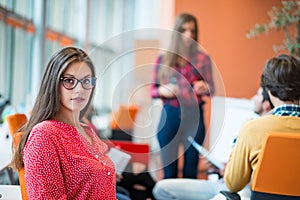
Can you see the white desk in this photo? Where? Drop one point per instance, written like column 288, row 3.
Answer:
column 10, row 192
column 7, row 192
column 5, row 146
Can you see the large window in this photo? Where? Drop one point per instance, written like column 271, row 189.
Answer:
column 15, row 53
column 94, row 25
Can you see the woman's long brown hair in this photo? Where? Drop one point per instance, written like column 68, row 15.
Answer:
column 47, row 101
column 175, row 49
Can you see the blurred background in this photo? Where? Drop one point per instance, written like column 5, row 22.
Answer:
column 123, row 38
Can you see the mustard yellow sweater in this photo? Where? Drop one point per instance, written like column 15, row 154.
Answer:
column 244, row 156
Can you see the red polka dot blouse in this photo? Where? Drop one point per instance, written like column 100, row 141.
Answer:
column 61, row 164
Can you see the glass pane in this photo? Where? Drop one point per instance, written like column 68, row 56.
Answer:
column 5, row 3
column 75, row 22
column 56, row 14
column 50, row 48
column 2, row 57
column 19, row 69
column 20, row 7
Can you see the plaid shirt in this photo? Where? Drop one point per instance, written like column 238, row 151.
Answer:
column 287, row 110
column 198, row 67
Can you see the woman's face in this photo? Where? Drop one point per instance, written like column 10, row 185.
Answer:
column 75, row 99
column 188, row 33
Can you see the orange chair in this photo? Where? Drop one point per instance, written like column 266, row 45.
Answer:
column 21, row 173
column 15, row 121
column 122, row 122
column 124, row 117
column 277, row 174
column 139, row 152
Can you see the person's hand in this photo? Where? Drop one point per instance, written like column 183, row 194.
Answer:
column 168, row 90
column 200, row 87
column 119, row 177
column 222, row 171
column 212, row 168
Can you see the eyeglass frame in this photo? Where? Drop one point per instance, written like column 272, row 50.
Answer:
column 93, row 82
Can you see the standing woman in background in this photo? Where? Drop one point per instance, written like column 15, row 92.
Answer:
column 64, row 158
column 182, row 75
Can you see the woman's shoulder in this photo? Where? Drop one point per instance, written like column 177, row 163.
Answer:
column 41, row 129
column 42, row 134
column 50, row 127
column 44, row 125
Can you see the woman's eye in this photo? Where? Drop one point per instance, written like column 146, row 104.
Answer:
column 87, row 81
column 181, row 30
column 69, row 80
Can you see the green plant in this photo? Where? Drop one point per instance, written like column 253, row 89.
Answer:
column 286, row 18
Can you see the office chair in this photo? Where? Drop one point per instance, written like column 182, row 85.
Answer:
column 21, row 173
column 277, row 174
column 139, row 152
column 122, row 122
column 14, row 122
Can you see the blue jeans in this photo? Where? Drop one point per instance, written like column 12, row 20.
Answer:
column 122, row 193
column 175, row 125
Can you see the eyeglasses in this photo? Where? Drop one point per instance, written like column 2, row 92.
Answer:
column 71, row 82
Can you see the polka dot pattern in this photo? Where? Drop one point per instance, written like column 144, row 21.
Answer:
column 61, row 164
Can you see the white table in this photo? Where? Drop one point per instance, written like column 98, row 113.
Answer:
column 10, row 192
column 7, row 192
column 5, row 146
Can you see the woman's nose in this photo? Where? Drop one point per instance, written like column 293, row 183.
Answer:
column 188, row 34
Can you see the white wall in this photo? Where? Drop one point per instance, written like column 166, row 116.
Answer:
column 228, row 116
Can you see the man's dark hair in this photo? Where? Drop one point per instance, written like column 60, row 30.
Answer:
column 281, row 76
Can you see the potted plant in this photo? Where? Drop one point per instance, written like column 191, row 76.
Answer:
column 286, row 18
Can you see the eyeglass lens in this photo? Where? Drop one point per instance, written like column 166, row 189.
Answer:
column 71, row 82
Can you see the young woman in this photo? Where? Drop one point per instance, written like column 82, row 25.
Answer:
column 181, row 77
column 64, row 158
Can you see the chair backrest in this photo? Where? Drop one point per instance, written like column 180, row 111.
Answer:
column 124, row 117
column 21, row 173
column 139, row 152
column 277, row 172
column 15, row 121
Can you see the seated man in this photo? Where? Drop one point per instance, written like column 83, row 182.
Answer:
column 204, row 189
column 281, row 79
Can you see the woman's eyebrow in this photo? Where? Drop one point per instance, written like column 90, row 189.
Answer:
column 71, row 75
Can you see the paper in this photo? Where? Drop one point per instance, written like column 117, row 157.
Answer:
column 205, row 153
column 119, row 158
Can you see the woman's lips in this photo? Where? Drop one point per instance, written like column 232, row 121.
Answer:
column 78, row 99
